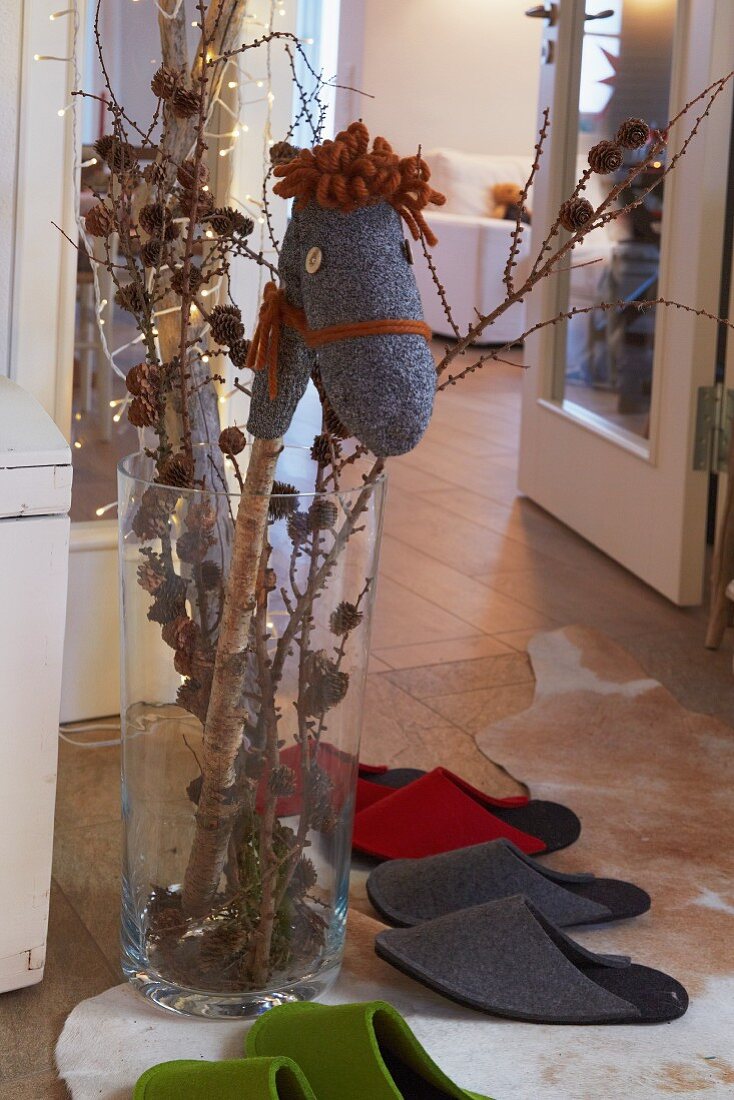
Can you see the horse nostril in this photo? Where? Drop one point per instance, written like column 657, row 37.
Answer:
column 314, row 257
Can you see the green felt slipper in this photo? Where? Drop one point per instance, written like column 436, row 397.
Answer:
column 238, row 1079
column 360, row 1051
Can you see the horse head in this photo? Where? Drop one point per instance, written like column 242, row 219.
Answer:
column 348, row 295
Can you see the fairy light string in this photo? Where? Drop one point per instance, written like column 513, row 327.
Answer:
column 252, row 89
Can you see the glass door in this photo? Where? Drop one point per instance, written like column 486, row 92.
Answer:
column 609, row 401
column 605, row 363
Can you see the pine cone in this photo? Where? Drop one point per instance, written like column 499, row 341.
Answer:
column 204, row 204
column 228, row 222
column 605, row 157
column 238, row 352
column 134, row 378
column 575, row 214
column 131, row 297
column 186, row 285
column 322, row 513
column 182, row 663
column 140, row 414
column 187, row 174
column 193, row 696
column 155, row 174
column 184, row 103
column 232, row 441
column 181, row 633
column 119, row 155
column 282, row 780
column 283, row 500
column 220, row 946
column 154, row 218
column 100, row 220
column 327, row 683
column 152, row 253
column 151, row 519
column 145, row 382
column 282, row 152
column 151, row 571
column 333, row 424
column 633, row 133
column 201, row 516
column 304, row 877
column 170, row 630
column 321, row 798
column 221, row 220
column 170, row 601
column 323, row 448
column 242, row 225
column 299, row 526
column 345, row 617
column 164, row 82
column 164, row 913
column 192, row 546
column 211, row 574
column 226, row 325
column 144, row 379
column 177, row 470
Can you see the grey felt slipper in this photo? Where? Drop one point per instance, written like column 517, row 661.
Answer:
column 394, row 777
column 409, row 891
column 507, row 959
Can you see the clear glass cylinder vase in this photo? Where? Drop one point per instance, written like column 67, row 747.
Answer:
column 275, row 849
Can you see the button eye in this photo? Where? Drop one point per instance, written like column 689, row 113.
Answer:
column 313, row 260
column 407, row 250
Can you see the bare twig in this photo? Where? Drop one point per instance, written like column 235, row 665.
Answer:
column 518, row 227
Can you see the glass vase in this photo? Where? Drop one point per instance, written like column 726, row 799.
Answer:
column 272, row 926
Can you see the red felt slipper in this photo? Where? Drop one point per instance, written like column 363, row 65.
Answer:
column 377, row 781
column 366, row 770
column 441, row 812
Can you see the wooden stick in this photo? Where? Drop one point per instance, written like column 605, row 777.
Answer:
column 217, row 808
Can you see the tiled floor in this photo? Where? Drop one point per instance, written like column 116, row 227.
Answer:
column 469, row 573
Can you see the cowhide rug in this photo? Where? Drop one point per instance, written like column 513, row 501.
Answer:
column 652, row 783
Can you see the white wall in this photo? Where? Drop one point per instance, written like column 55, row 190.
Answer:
column 458, row 73
column 10, row 21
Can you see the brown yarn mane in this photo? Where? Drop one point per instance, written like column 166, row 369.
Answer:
column 345, row 174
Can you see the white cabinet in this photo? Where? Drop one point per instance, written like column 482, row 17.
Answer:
column 35, row 493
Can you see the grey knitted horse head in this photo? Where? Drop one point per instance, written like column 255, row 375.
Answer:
column 348, row 296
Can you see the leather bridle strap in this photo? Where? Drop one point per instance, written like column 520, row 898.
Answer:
column 276, row 310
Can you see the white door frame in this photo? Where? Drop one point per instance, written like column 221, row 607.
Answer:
column 564, row 449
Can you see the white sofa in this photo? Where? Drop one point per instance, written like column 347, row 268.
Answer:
column 472, row 248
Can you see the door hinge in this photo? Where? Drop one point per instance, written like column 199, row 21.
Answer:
column 714, row 415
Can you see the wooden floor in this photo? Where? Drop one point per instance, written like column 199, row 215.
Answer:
column 469, row 573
